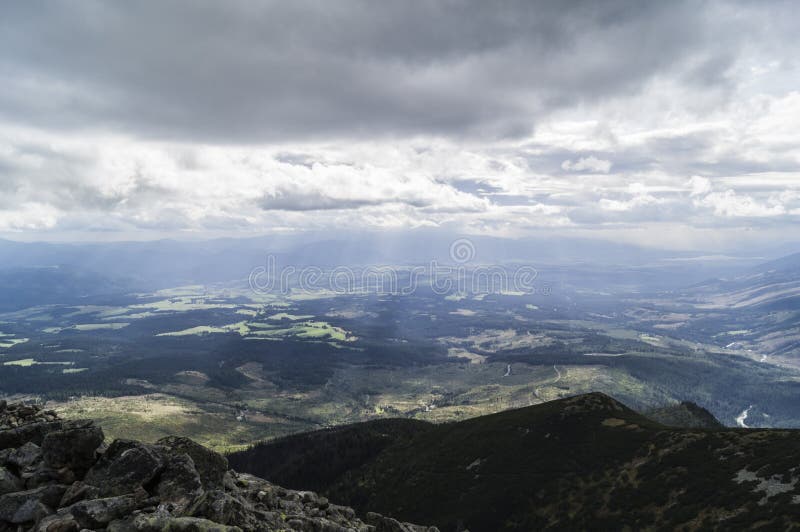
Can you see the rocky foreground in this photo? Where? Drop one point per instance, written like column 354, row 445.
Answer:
column 59, row 476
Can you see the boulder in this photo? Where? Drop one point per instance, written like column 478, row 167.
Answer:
column 31, row 511
column 97, row 513
column 223, row 508
column 33, row 432
column 125, row 466
column 210, row 465
column 73, row 446
column 30, row 505
column 24, row 456
column 40, row 475
column 179, row 484
column 9, row 482
column 58, row 523
column 78, row 491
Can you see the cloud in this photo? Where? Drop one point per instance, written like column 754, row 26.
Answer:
column 699, row 185
column 296, row 200
column 29, row 216
column 731, row 204
column 123, row 183
column 277, row 71
column 576, row 116
column 591, row 164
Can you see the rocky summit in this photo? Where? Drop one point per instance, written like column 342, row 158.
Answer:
column 59, row 476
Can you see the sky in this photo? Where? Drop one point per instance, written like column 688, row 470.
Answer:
column 666, row 124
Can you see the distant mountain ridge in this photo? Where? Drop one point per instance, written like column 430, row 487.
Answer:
column 756, row 311
column 584, row 462
column 28, row 287
column 773, row 284
column 165, row 263
column 788, row 263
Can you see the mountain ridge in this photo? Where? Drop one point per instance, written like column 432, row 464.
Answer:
column 685, row 414
column 582, row 462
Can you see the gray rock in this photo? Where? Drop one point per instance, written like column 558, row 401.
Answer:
column 97, row 513
column 24, row 456
column 196, row 524
column 58, row 523
column 125, row 466
column 179, row 484
column 123, row 525
column 223, row 508
column 72, row 446
column 78, row 491
column 210, row 465
column 229, row 481
column 33, row 432
column 31, row 511
column 9, row 482
column 24, row 506
column 41, row 475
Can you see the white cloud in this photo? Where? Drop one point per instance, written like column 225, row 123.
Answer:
column 731, row 204
column 629, row 204
column 29, row 216
column 591, row 164
column 699, row 186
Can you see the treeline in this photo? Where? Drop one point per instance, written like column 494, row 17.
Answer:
column 54, row 385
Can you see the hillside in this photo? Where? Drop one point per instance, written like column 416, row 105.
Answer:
column 577, row 463
column 755, row 313
column 686, row 415
column 316, row 459
column 59, row 476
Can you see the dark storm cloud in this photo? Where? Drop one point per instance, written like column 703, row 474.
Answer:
column 263, row 71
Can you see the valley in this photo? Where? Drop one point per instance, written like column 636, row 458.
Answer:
column 229, row 366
